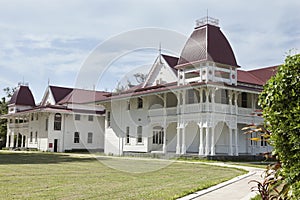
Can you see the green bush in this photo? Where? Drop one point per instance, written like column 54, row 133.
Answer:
column 280, row 101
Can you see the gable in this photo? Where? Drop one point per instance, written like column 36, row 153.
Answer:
column 160, row 73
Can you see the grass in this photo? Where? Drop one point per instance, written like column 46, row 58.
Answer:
column 38, row 175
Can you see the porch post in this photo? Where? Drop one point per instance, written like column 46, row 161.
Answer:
column 201, row 139
column 17, row 142
column 230, row 142
column 206, row 141
column 212, row 147
column 236, row 143
column 12, row 139
column 7, row 139
column 178, row 139
column 183, row 147
column 165, row 123
column 22, row 140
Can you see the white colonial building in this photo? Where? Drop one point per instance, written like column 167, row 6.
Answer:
column 195, row 104
column 65, row 120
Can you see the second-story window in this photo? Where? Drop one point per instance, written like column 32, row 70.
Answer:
column 139, row 102
column 91, row 118
column 57, row 122
column 244, row 100
column 77, row 117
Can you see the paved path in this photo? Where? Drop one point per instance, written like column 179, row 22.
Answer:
column 234, row 189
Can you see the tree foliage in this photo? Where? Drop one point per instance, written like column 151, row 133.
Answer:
column 280, row 101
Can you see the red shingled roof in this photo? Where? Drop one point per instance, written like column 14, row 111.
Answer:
column 207, row 43
column 171, row 60
column 83, row 96
column 22, row 96
column 59, row 92
column 264, row 74
column 257, row 76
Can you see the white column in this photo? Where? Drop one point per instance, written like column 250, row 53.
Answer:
column 17, row 145
column 230, row 142
column 178, row 139
column 7, row 140
column 201, row 140
column 165, row 140
column 183, row 147
column 236, row 143
column 206, row 141
column 22, row 140
column 165, row 123
column 212, row 147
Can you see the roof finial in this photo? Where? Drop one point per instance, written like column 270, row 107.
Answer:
column 159, row 50
column 207, row 16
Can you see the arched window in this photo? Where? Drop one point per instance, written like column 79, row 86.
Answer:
column 57, row 122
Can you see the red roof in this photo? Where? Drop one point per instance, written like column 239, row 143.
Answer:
column 59, row 92
column 83, row 96
column 264, row 74
column 171, row 60
column 207, row 43
column 22, row 96
column 257, row 76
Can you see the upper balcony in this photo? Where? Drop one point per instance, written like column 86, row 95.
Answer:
column 202, row 108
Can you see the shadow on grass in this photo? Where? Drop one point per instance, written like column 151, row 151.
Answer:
column 9, row 158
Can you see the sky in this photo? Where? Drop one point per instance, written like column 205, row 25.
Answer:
column 58, row 41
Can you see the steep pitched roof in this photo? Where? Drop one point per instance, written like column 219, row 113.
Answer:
column 59, row 92
column 171, row 60
column 207, row 43
column 22, row 96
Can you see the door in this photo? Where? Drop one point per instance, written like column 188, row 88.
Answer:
column 55, row 145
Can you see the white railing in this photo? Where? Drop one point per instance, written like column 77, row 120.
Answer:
column 245, row 111
column 20, row 125
column 201, row 107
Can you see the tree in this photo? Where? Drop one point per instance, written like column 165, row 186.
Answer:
column 3, row 110
column 140, row 77
column 280, row 101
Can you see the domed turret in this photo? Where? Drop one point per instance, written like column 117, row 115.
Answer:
column 207, row 56
column 22, row 99
column 207, row 43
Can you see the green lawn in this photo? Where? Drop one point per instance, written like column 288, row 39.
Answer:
column 66, row 176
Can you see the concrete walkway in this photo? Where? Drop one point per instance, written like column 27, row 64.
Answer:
column 235, row 189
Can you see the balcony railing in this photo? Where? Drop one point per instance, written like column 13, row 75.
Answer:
column 20, row 125
column 202, row 107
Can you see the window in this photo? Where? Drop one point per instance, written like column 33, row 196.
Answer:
column 140, row 102
column 37, row 116
column 224, row 97
column 77, row 117
column 158, row 136
column 46, row 124
column 57, row 122
column 244, row 99
column 32, row 117
column 90, row 138
column 76, row 137
column 263, row 141
column 31, row 135
column 128, row 105
column 10, row 120
column 108, row 119
column 127, row 135
column 91, row 118
column 139, row 134
column 36, row 137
